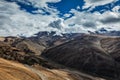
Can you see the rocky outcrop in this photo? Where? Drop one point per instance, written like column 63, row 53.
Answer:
column 25, row 45
column 11, row 53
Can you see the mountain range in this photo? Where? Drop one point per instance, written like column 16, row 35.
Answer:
column 70, row 56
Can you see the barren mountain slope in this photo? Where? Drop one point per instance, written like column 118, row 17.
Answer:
column 10, row 70
column 25, row 45
column 35, row 45
column 87, row 53
column 112, row 46
column 13, row 70
column 12, row 53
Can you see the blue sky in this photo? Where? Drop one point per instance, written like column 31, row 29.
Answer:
column 63, row 16
column 66, row 5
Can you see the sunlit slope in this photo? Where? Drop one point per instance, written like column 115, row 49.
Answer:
column 14, row 71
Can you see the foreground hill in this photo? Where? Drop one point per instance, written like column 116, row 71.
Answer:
column 14, row 71
column 10, row 70
column 16, row 64
column 96, row 55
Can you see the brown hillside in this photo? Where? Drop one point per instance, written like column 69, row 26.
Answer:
column 10, row 70
column 89, row 54
column 25, row 45
column 14, row 71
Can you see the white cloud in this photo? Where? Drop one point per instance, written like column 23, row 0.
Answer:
column 93, row 21
column 116, row 9
column 38, row 3
column 38, row 11
column 67, row 15
column 42, row 3
column 94, row 3
column 14, row 21
column 78, row 7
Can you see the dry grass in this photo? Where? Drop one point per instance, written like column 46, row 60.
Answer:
column 14, row 71
column 10, row 70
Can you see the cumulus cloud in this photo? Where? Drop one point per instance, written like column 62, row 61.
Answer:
column 40, row 4
column 110, row 17
column 116, row 9
column 89, row 24
column 94, row 3
column 14, row 21
column 94, row 21
column 110, row 20
column 57, row 24
column 37, row 3
column 82, row 20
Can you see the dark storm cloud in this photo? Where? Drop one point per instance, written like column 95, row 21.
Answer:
column 56, row 24
column 3, row 17
column 89, row 25
column 110, row 20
